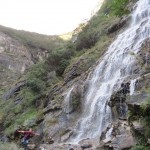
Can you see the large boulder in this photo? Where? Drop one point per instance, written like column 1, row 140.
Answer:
column 120, row 137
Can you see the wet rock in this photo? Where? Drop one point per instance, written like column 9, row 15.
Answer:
column 120, row 95
column 73, row 102
column 144, row 81
column 120, row 137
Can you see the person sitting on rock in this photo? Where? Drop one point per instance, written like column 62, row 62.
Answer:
column 27, row 135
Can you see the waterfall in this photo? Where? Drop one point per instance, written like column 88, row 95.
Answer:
column 68, row 102
column 132, row 86
column 115, row 66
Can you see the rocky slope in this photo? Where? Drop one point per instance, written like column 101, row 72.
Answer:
column 18, row 51
column 56, row 110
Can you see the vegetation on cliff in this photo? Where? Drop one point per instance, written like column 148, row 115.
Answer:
column 26, row 106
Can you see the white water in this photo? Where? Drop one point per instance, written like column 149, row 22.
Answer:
column 68, row 102
column 116, row 65
column 132, row 86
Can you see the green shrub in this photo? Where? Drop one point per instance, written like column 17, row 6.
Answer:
column 140, row 147
column 59, row 59
column 8, row 146
column 36, row 85
column 87, row 39
column 34, row 40
column 37, row 71
column 119, row 7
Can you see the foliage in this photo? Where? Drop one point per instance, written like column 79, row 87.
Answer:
column 28, row 97
column 140, row 147
column 8, row 146
column 96, row 28
column 36, row 85
column 34, row 40
column 35, row 78
column 59, row 59
column 27, row 119
column 119, row 7
column 87, row 39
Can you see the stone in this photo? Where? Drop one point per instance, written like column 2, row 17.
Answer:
column 123, row 141
column 85, row 146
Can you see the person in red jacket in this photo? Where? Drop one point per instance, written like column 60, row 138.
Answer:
column 26, row 136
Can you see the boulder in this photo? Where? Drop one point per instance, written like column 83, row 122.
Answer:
column 123, row 141
column 120, row 142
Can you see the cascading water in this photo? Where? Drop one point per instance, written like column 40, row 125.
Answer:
column 68, row 102
column 116, row 65
column 132, row 86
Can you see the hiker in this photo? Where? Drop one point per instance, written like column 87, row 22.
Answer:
column 26, row 136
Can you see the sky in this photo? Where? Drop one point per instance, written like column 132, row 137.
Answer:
column 45, row 16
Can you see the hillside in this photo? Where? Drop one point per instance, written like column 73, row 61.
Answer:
column 19, row 50
column 89, row 90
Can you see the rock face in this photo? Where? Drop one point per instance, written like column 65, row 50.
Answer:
column 14, row 55
column 120, row 137
column 12, row 91
column 117, row 101
column 115, row 27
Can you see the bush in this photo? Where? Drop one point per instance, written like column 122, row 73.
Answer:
column 36, row 85
column 59, row 59
column 86, row 39
column 28, row 97
column 8, row 146
column 140, row 147
column 119, row 7
column 37, row 71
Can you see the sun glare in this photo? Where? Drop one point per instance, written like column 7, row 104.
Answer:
column 45, row 16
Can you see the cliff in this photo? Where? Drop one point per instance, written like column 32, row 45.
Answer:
column 80, row 91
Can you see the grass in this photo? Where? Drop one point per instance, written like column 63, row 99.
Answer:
column 33, row 40
column 8, row 146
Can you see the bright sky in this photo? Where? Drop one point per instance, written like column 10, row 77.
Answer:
column 45, row 16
